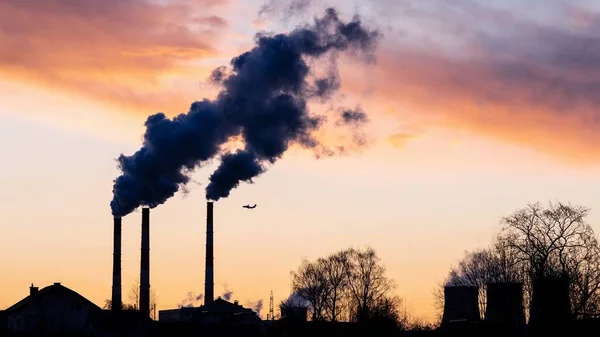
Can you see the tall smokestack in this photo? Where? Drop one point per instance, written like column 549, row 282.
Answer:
column 145, row 264
column 461, row 303
column 209, row 291
column 116, row 301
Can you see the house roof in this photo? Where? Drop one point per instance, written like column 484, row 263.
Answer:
column 56, row 288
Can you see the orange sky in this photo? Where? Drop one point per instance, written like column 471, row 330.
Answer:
column 452, row 84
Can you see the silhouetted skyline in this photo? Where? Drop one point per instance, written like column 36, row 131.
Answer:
column 475, row 110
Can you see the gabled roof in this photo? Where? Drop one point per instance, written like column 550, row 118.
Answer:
column 56, row 288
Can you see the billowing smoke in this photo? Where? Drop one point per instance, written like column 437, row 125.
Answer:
column 255, row 306
column 294, row 301
column 191, row 300
column 263, row 100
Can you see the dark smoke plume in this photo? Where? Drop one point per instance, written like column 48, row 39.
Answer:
column 263, row 99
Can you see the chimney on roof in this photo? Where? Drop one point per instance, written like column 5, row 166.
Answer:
column 145, row 264
column 33, row 290
column 209, row 291
column 116, row 301
column 461, row 303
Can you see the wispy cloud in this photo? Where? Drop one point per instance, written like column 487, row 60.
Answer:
column 114, row 50
column 523, row 80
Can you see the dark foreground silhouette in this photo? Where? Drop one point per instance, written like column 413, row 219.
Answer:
column 104, row 323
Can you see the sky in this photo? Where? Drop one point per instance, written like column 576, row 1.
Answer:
column 477, row 108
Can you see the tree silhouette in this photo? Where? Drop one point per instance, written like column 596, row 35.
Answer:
column 134, row 299
column 349, row 285
column 538, row 242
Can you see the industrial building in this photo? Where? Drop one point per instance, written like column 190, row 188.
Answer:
column 461, row 304
column 213, row 311
column 219, row 311
column 505, row 307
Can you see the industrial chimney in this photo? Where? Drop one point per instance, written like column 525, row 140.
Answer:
column 461, row 304
column 209, row 291
column 145, row 264
column 116, row 301
column 550, row 309
column 505, row 306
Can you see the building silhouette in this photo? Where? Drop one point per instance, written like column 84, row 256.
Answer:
column 218, row 311
column 54, row 309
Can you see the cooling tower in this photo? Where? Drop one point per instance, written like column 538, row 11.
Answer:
column 461, row 303
column 505, row 306
column 145, row 265
column 550, row 309
column 116, row 300
column 209, row 291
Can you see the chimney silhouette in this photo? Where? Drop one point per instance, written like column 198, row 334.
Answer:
column 550, row 308
column 116, row 301
column 145, row 264
column 505, row 307
column 461, row 303
column 209, row 291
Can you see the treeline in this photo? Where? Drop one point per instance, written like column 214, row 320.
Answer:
column 538, row 242
column 347, row 286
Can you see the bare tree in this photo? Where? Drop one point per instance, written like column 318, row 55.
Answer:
column 336, row 271
column 481, row 267
column 545, row 237
column 557, row 241
column 438, row 302
column 368, row 283
column 584, row 271
column 538, row 242
column 309, row 283
column 389, row 308
column 347, row 285
column 134, row 298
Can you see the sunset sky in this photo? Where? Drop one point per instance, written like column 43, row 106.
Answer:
column 477, row 107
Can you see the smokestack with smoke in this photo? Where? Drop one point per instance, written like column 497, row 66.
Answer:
column 145, row 264
column 209, row 282
column 263, row 100
column 116, row 299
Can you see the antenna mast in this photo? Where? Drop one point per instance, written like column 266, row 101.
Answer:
column 271, row 309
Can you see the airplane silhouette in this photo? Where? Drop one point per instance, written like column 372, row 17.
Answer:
column 249, row 207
